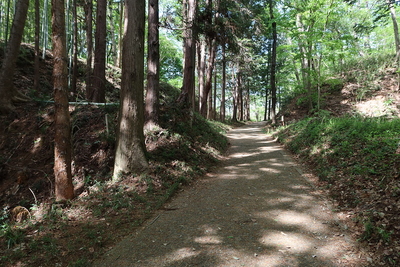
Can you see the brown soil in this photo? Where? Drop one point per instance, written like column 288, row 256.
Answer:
column 257, row 209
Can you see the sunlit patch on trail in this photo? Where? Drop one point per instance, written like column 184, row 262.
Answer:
column 294, row 241
column 208, row 239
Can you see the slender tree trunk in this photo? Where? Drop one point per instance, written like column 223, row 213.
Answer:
column 114, row 41
column 240, row 96
column 247, row 102
column 222, row 109
column 210, row 69
column 36, row 80
column 214, row 106
column 89, row 43
column 98, row 88
column 121, row 27
column 235, row 96
column 273, row 63
column 210, row 105
column 202, row 69
column 45, row 27
column 186, row 98
column 153, row 66
column 130, row 152
column 75, row 50
column 8, row 95
column 64, row 188
column 395, row 26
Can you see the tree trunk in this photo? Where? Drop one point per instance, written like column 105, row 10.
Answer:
column 98, row 88
column 235, row 95
column 210, row 69
column 121, row 28
column 64, row 189
column 186, row 99
column 113, row 37
column 202, row 69
column 36, row 80
column 153, row 66
column 8, row 95
column 395, row 26
column 214, row 106
column 240, row 96
column 247, row 102
column 75, row 50
column 222, row 108
column 89, row 43
column 210, row 105
column 273, row 64
column 130, row 152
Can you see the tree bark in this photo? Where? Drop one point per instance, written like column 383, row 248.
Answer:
column 75, row 50
column 210, row 69
column 36, row 80
column 153, row 66
column 89, row 43
column 130, row 152
column 202, row 70
column 98, row 87
column 273, row 64
column 8, row 95
column 395, row 26
column 222, row 108
column 186, row 99
column 64, row 189
column 240, row 96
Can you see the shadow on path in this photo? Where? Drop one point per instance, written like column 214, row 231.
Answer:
column 255, row 210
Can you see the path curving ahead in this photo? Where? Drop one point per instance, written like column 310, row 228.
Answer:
column 255, row 210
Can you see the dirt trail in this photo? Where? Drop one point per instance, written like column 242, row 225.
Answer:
column 255, row 210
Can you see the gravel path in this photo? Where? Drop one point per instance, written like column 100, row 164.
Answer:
column 257, row 209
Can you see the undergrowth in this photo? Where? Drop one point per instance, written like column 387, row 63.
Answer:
column 358, row 160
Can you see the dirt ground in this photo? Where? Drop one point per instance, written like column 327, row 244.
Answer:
column 258, row 209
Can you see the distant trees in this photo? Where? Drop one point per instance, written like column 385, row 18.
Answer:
column 97, row 88
column 8, row 94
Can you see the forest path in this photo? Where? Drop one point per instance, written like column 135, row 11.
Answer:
column 257, row 209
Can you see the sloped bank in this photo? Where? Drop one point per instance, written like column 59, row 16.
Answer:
column 358, row 161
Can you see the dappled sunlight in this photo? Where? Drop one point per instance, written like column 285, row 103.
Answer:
column 256, row 211
column 300, row 220
column 209, row 239
column 295, row 242
column 269, row 170
column 180, row 254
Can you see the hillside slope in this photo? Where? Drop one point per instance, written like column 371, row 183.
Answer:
column 353, row 147
column 102, row 212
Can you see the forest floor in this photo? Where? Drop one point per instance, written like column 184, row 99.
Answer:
column 258, row 209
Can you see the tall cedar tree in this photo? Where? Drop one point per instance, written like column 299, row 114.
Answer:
column 98, row 87
column 153, row 66
column 273, row 63
column 8, row 95
column 64, row 189
column 186, row 98
column 212, row 45
column 37, row 47
column 88, row 7
column 130, row 152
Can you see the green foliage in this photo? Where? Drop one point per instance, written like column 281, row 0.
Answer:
column 374, row 231
column 360, row 146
